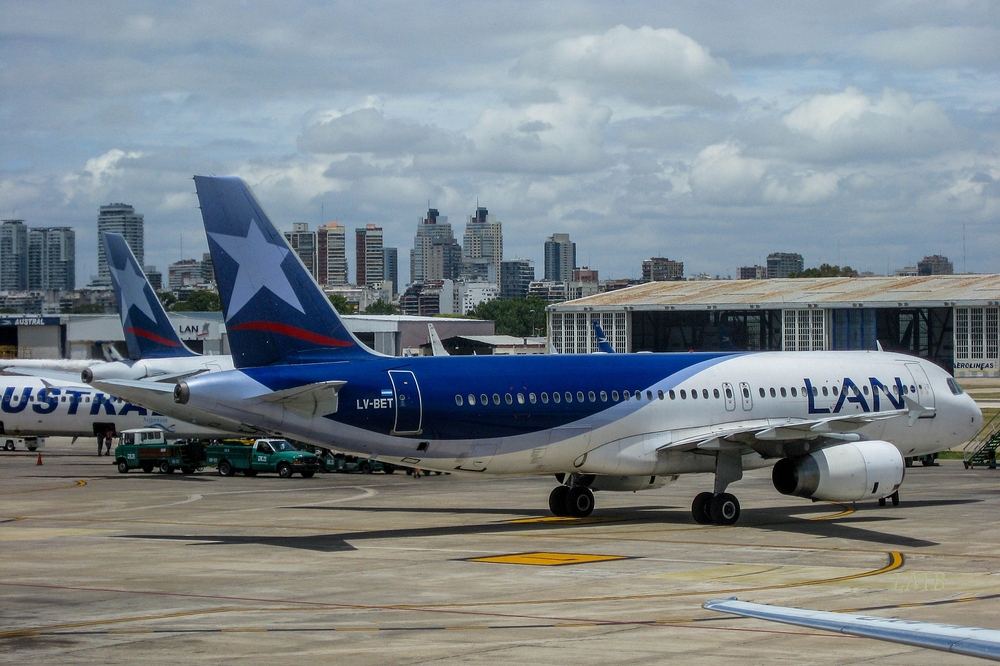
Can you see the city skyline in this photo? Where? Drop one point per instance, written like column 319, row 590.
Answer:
column 859, row 133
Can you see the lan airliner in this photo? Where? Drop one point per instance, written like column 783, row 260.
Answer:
column 834, row 425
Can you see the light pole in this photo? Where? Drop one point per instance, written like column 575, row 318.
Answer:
column 532, row 323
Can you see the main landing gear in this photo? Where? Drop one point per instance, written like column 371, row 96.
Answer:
column 575, row 500
column 718, row 509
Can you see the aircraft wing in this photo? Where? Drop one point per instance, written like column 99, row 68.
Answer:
column 317, row 399
column 969, row 641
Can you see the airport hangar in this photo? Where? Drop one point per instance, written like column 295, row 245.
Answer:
column 83, row 336
column 950, row 319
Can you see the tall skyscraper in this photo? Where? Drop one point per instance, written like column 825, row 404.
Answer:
column 121, row 219
column 369, row 255
column 390, row 262
column 560, row 258
column 52, row 258
column 331, row 252
column 436, row 255
column 482, row 247
column 303, row 243
column 780, row 264
column 207, row 268
column 184, row 274
column 515, row 276
column 13, row 255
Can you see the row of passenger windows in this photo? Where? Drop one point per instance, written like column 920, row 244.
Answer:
column 568, row 396
column 84, row 398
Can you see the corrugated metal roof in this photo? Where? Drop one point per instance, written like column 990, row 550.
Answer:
column 932, row 291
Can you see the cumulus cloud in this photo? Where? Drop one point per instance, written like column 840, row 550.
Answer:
column 655, row 66
column 722, row 174
column 369, row 131
column 852, row 125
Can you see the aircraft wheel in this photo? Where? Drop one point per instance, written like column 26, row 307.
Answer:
column 284, row 470
column 557, row 501
column 123, row 467
column 895, row 498
column 881, row 501
column 700, row 508
column 725, row 509
column 580, row 501
column 165, row 468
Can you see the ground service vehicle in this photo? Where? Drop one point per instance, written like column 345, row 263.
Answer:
column 341, row 462
column 30, row 443
column 260, row 455
column 147, row 449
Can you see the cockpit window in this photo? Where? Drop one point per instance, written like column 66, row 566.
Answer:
column 955, row 388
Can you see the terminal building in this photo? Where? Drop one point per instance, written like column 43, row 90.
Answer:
column 87, row 336
column 949, row 319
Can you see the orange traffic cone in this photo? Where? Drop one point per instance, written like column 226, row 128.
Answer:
column 39, row 461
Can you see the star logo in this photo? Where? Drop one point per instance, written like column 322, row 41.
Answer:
column 132, row 284
column 255, row 250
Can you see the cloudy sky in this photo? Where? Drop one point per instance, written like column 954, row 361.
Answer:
column 861, row 133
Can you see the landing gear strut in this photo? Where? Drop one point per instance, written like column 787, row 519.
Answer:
column 894, row 497
column 575, row 500
column 718, row 509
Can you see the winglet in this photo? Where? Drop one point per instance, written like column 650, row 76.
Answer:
column 148, row 331
column 437, row 347
column 275, row 312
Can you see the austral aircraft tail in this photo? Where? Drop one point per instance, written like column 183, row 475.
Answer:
column 148, row 332
column 603, row 345
column 274, row 310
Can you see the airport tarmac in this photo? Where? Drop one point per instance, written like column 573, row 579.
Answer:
column 98, row 567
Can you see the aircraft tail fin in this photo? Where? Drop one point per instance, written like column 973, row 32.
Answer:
column 603, row 345
column 148, row 331
column 275, row 312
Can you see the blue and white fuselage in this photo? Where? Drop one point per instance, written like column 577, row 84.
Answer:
column 502, row 414
column 34, row 407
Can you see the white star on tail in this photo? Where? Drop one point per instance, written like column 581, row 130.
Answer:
column 257, row 251
column 131, row 282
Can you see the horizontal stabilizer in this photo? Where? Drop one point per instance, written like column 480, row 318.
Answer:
column 54, row 375
column 970, row 641
column 308, row 401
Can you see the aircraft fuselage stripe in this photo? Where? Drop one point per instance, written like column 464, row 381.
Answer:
column 291, row 331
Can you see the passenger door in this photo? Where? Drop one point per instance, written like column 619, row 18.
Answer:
column 727, row 391
column 747, row 396
column 409, row 411
column 925, row 393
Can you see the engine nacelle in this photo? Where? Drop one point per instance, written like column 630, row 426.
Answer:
column 114, row 370
column 842, row 473
column 630, row 483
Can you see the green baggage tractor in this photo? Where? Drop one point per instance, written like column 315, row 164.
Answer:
column 148, row 449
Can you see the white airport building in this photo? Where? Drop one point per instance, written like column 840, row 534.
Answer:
column 950, row 319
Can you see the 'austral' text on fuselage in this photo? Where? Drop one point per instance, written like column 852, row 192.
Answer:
column 47, row 400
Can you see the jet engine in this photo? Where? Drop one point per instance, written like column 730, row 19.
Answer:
column 114, row 370
column 842, row 473
column 630, row 483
